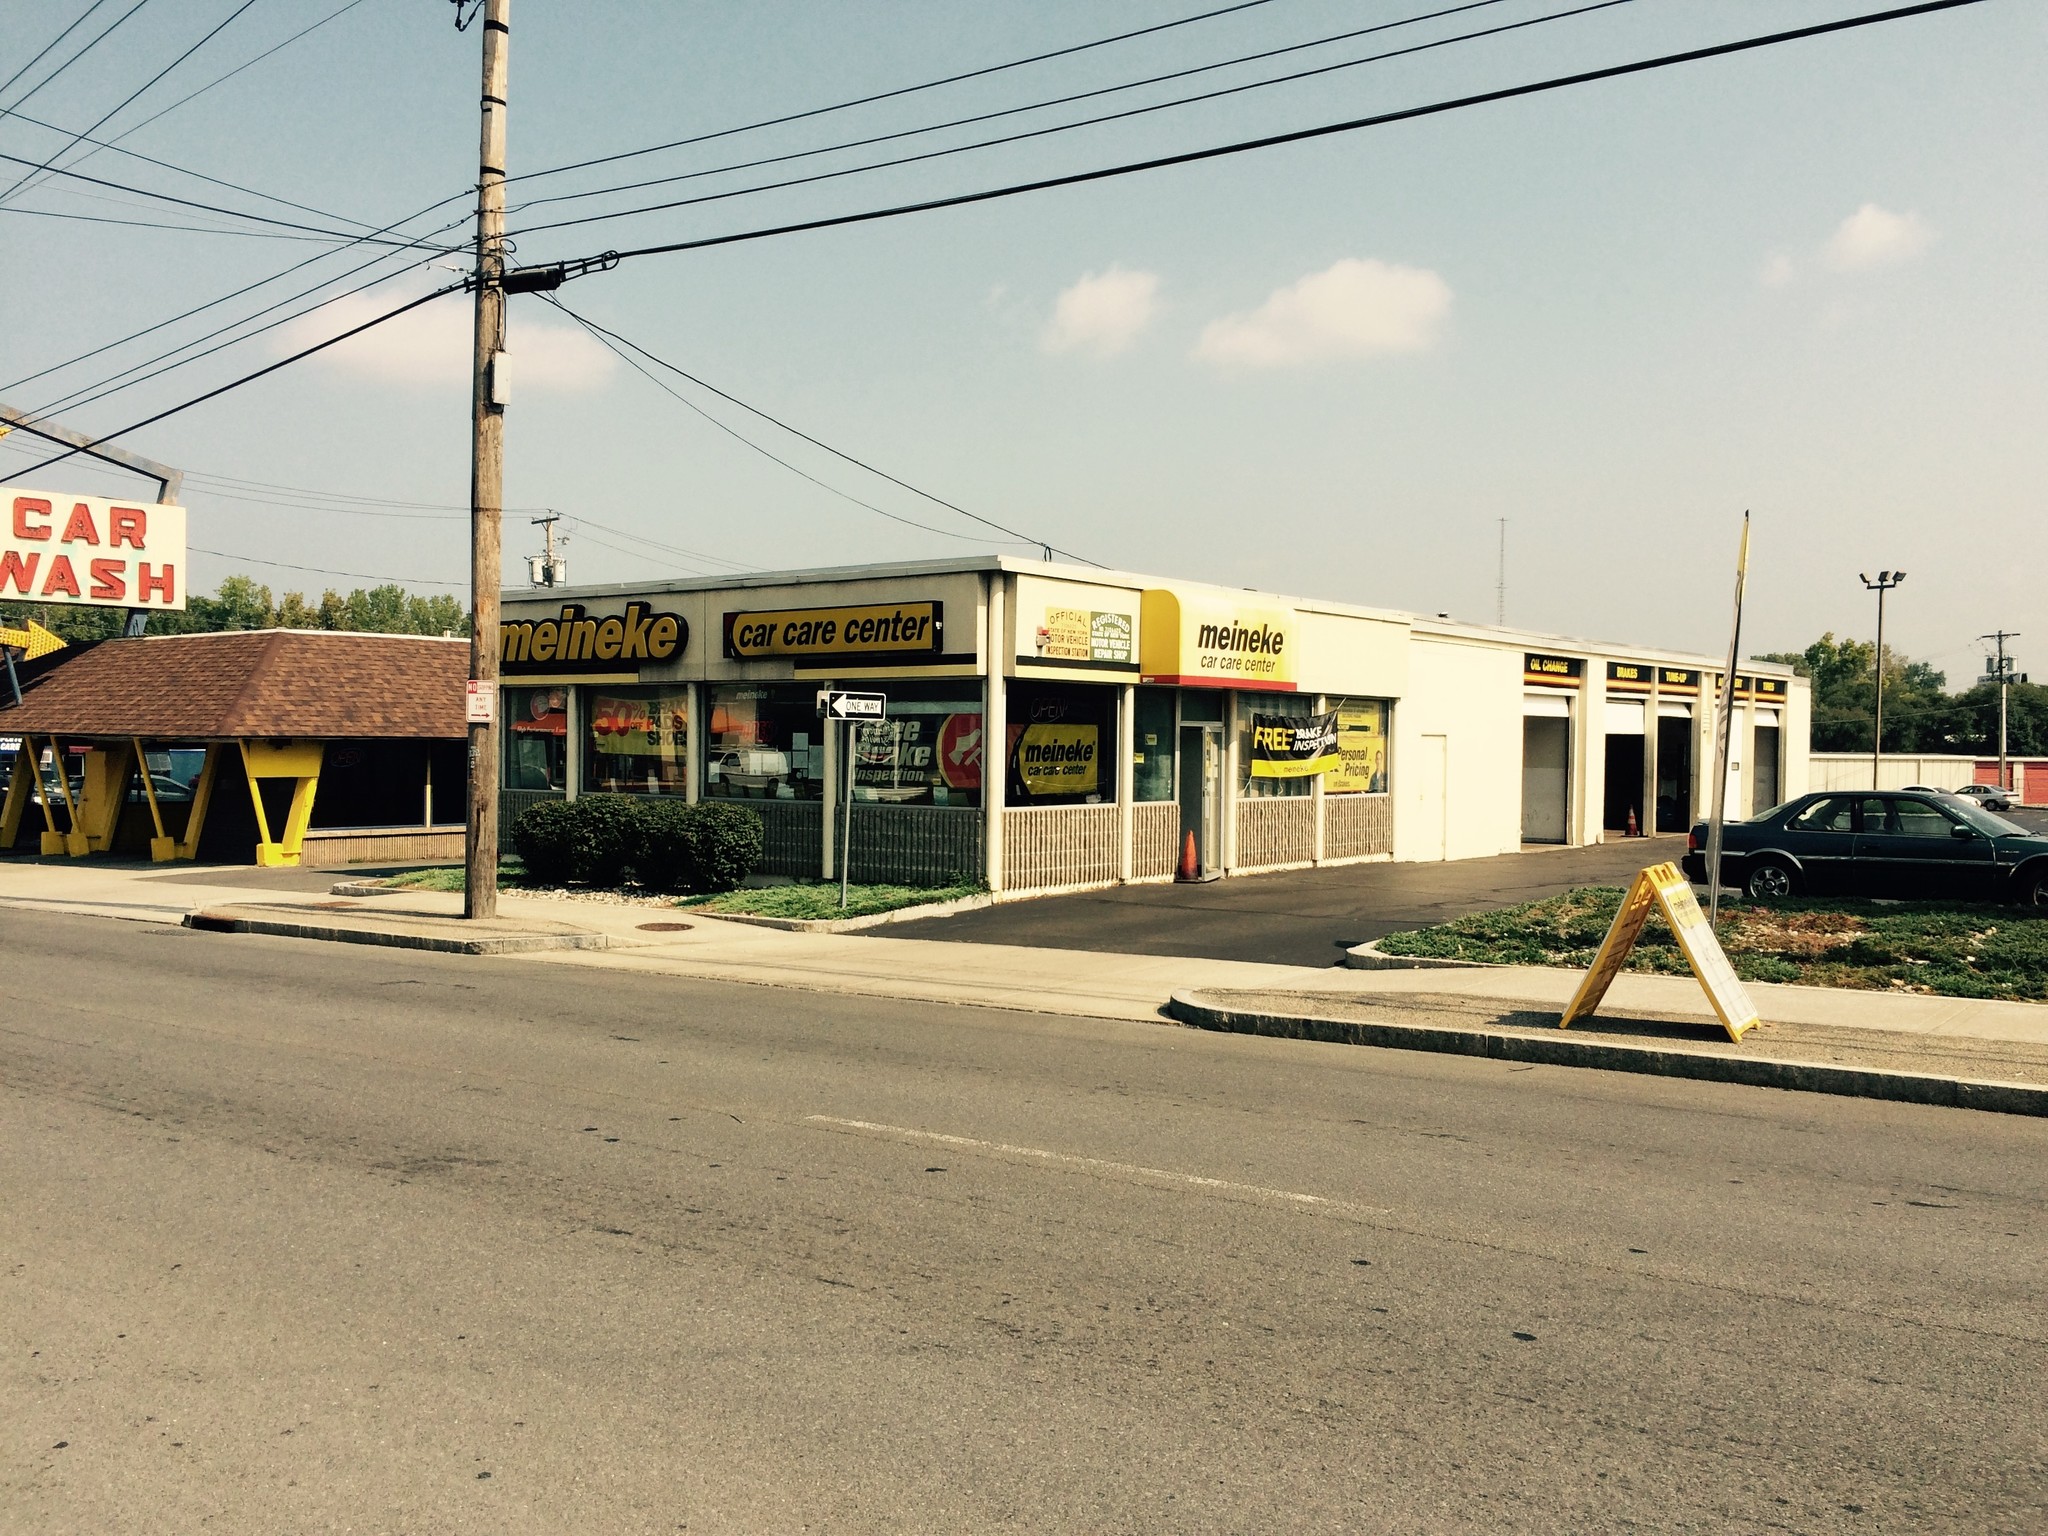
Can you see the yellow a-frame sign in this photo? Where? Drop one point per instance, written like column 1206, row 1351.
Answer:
column 1662, row 886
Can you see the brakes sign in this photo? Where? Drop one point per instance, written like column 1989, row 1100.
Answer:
column 60, row 548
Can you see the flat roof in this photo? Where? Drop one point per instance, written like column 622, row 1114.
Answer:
column 1428, row 624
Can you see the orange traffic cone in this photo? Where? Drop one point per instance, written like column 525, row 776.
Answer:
column 1632, row 832
column 1190, row 867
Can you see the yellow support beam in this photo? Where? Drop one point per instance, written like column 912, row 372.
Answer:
column 295, row 760
column 72, row 842
column 202, row 797
column 20, row 786
column 161, row 847
column 105, row 783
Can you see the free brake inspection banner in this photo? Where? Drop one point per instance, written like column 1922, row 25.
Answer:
column 1293, row 746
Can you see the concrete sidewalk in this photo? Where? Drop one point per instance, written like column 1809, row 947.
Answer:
column 1947, row 1038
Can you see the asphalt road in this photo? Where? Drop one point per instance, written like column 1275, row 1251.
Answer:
column 1303, row 917
column 299, row 1237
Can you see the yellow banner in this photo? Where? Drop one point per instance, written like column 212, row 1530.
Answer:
column 1058, row 760
column 1361, row 752
column 876, row 629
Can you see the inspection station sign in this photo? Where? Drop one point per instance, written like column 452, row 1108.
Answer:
column 61, row 548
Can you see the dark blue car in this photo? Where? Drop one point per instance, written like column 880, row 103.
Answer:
column 1874, row 843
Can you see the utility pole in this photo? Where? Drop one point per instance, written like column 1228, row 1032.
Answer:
column 487, row 467
column 1886, row 580
column 2001, row 668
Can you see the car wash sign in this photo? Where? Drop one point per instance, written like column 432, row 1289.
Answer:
column 59, row 548
column 1294, row 747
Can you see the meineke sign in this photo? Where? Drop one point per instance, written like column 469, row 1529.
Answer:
column 60, row 548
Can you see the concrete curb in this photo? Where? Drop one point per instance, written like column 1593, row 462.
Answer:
column 503, row 944
column 851, row 924
column 1370, row 957
column 1565, row 1050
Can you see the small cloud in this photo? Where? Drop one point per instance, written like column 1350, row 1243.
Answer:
column 1778, row 271
column 431, row 347
column 1102, row 313
column 1356, row 308
column 1876, row 237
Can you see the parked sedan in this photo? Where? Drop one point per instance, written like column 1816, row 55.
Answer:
column 1991, row 796
column 1925, row 844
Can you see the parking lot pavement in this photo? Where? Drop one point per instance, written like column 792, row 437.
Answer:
column 1305, row 917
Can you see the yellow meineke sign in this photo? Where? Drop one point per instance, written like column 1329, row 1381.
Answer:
column 1216, row 645
column 873, row 629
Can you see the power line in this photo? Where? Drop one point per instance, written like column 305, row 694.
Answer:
column 88, row 48
column 1301, row 135
column 226, row 297
column 321, row 570
column 152, row 80
column 611, row 337
column 44, row 52
column 181, row 170
column 183, row 229
column 186, row 202
column 92, row 394
column 248, row 378
column 1058, row 101
column 890, row 95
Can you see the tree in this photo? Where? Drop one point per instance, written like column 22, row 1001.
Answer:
column 244, row 603
column 294, row 612
column 1918, row 715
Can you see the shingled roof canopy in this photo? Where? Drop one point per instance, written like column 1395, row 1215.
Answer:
column 251, row 684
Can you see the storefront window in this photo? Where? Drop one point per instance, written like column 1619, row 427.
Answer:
column 1152, row 750
column 1062, row 737
column 636, row 741
column 536, row 738
column 1291, row 706
column 1362, row 747
column 764, row 741
column 929, row 750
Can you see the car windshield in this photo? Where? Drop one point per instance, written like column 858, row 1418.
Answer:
column 1983, row 820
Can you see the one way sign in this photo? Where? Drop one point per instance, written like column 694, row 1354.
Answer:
column 852, row 706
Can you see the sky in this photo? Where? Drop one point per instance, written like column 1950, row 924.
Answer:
column 1803, row 281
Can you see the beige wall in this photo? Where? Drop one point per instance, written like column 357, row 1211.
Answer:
column 1469, row 693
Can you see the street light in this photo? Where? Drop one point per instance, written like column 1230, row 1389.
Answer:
column 1886, row 580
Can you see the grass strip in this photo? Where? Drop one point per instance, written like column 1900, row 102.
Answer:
column 812, row 901
column 1948, row 949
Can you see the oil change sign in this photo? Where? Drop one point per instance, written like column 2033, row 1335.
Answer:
column 875, row 629
column 1058, row 760
column 59, row 548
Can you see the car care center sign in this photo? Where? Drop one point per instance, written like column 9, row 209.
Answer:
column 1293, row 747
column 60, row 548
column 1193, row 642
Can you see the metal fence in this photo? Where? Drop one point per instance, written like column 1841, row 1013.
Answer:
column 1055, row 845
column 793, row 833
column 1357, row 825
column 915, row 845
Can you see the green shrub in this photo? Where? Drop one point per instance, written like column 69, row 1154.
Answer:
column 544, row 836
column 662, row 853
column 607, row 834
column 724, row 845
column 669, row 845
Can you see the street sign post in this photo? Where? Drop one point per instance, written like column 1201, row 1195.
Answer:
column 850, row 709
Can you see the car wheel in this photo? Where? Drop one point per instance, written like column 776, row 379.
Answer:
column 1768, row 880
column 2031, row 887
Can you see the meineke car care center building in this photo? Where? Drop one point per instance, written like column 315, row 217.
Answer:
column 1050, row 727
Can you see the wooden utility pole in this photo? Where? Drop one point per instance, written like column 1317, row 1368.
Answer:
column 487, row 472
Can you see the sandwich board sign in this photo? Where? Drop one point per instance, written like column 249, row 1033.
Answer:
column 1662, row 886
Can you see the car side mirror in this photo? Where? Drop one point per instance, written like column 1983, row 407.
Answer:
column 1964, row 834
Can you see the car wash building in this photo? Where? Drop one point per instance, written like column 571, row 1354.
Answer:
column 1051, row 727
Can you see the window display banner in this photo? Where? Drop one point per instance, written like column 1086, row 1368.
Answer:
column 1361, row 752
column 1293, row 746
column 637, row 728
column 1057, row 760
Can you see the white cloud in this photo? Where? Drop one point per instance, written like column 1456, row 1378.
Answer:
column 1356, row 308
column 1876, row 237
column 1778, row 271
column 1102, row 313
column 431, row 347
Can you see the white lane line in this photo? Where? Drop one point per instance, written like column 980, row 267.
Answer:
column 1068, row 1159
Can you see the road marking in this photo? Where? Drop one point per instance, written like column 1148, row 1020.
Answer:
column 1068, row 1159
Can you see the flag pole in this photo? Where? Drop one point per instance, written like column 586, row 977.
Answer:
column 1723, row 728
